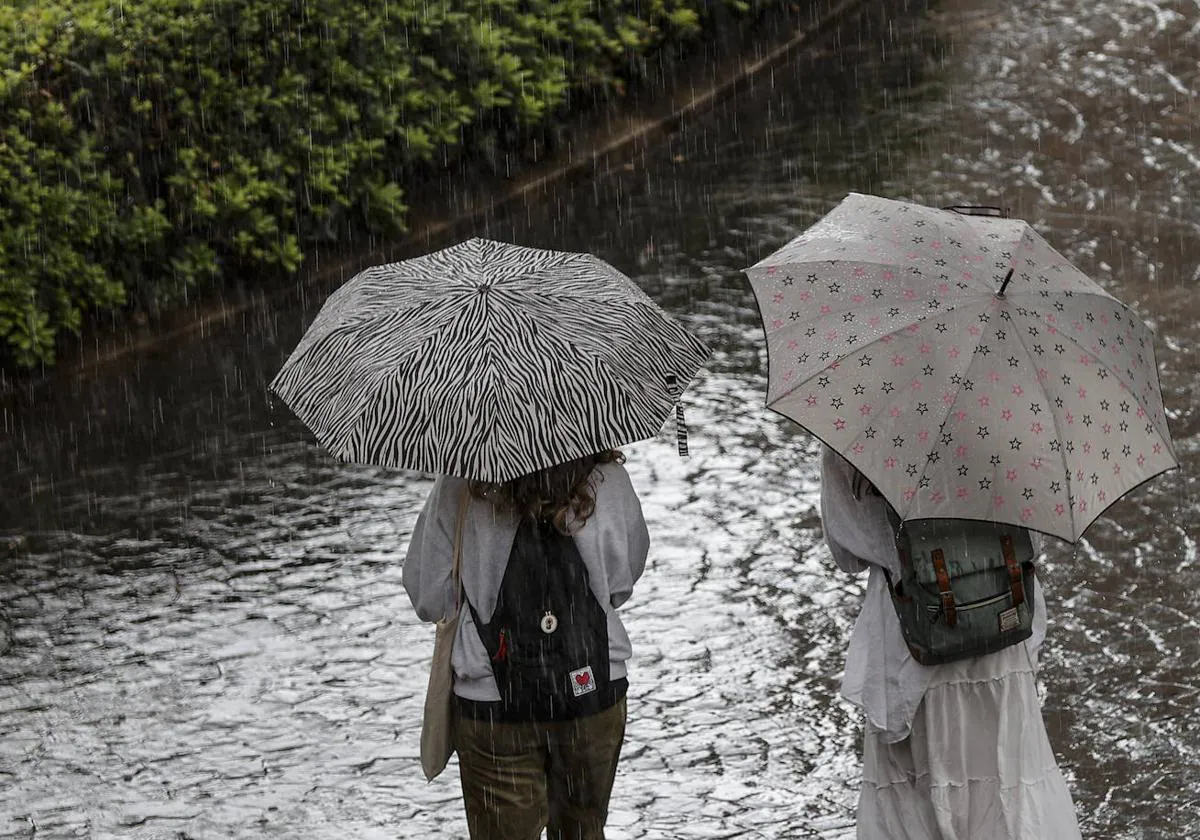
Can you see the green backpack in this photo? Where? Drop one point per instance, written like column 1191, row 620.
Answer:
column 966, row 588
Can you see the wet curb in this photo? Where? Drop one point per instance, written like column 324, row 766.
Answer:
column 602, row 140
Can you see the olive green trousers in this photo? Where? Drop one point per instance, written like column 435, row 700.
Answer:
column 518, row 778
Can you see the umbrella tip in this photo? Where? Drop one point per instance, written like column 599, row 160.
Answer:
column 1004, row 285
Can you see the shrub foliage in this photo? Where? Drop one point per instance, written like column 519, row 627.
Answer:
column 151, row 148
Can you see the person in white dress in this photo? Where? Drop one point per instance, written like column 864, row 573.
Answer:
column 950, row 752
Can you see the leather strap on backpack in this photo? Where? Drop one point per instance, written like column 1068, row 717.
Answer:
column 943, row 582
column 1015, row 580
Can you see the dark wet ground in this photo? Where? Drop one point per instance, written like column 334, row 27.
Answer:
column 204, row 633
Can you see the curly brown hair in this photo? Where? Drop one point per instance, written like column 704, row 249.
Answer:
column 553, row 494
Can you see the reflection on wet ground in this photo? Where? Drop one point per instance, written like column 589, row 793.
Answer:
column 204, row 630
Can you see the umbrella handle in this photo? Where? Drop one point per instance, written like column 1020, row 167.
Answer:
column 978, row 210
column 680, row 426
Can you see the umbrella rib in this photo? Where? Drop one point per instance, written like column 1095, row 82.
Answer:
column 853, row 351
column 1062, row 453
column 949, row 408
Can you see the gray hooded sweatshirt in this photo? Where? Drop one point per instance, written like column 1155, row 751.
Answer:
column 613, row 543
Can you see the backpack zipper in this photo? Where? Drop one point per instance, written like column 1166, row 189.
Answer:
column 933, row 610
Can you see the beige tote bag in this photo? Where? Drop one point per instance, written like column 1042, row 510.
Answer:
column 437, row 737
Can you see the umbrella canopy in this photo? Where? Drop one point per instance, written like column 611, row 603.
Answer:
column 963, row 365
column 487, row 361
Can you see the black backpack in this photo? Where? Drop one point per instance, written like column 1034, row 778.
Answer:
column 548, row 637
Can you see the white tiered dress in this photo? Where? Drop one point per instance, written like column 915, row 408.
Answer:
column 950, row 752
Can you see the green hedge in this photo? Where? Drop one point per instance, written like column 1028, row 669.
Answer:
column 151, row 148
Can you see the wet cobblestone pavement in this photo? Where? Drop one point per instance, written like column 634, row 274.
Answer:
column 205, row 634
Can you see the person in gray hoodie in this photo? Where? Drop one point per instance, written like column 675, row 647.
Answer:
column 520, row 776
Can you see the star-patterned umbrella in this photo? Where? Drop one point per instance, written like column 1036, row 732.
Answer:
column 963, row 365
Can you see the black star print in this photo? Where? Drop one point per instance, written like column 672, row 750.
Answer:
column 825, row 356
column 836, row 402
column 1123, row 426
column 1001, row 335
column 1055, row 487
column 823, row 381
column 922, row 408
column 947, row 438
column 1055, row 445
column 927, row 370
column 1013, row 361
column 1066, row 379
column 1127, row 450
column 897, row 441
column 802, row 359
column 870, row 433
column 1015, row 443
column 812, row 278
column 1104, row 405
column 1035, row 408
column 982, row 349
column 887, row 387
column 1087, row 419
column 985, row 483
column 962, row 469
column 1124, row 406
column 787, row 281
column 835, row 288
column 860, row 389
column 810, row 332
column 794, row 315
column 877, row 293
column 1059, row 349
column 864, row 361
column 1027, row 493
column 933, row 456
column 940, row 327
column 924, row 482
column 911, row 469
column 983, row 432
column 1104, row 454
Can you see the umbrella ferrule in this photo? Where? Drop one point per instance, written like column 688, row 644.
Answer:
column 1004, row 283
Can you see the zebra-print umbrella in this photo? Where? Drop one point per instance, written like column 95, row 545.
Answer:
column 487, row 361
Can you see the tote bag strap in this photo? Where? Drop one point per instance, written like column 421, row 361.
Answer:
column 456, row 570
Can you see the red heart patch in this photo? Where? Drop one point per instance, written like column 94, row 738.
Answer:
column 583, row 679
